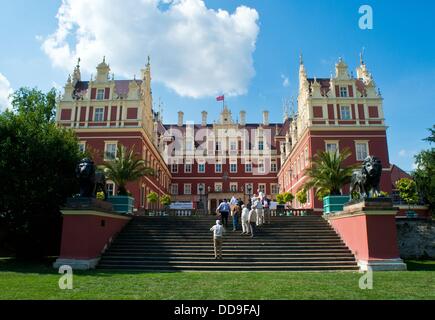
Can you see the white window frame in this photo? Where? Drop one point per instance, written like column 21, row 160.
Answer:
column 218, row 187
column 187, row 168
column 274, row 186
column 262, row 187
column 201, row 165
column 261, row 167
column 234, row 187
column 216, row 168
column 174, row 168
column 82, row 145
column 203, row 188
column 100, row 112
column 106, row 144
column 174, row 189
column 252, row 188
column 110, row 192
column 348, row 112
column 344, row 92
column 233, row 144
column 273, row 167
column 231, row 167
column 187, row 189
column 260, row 145
column 248, row 165
column 331, row 142
column 306, row 156
column 361, row 142
column 100, row 94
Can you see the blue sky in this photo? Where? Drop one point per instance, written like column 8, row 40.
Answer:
column 399, row 51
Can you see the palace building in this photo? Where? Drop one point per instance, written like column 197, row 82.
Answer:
column 207, row 162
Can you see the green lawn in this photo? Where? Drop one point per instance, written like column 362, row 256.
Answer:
column 39, row 281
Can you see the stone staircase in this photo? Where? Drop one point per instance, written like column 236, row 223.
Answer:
column 185, row 244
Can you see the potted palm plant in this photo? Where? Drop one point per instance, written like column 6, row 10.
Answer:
column 327, row 175
column 408, row 193
column 126, row 167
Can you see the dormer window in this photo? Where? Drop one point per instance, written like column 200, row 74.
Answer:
column 343, row 92
column 100, row 94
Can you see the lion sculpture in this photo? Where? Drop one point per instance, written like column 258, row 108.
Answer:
column 366, row 180
column 91, row 181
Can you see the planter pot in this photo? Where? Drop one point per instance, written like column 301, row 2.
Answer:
column 122, row 204
column 334, row 203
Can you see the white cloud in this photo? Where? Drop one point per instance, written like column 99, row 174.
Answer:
column 403, row 153
column 195, row 51
column 285, row 81
column 5, row 91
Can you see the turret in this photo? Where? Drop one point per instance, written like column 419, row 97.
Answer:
column 103, row 71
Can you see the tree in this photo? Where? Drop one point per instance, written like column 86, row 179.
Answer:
column 127, row 167
column 152, row 197
column 284, row 198
column 165, row 200
column 37, row 173
column 328, row 174
column 407, row 191
column 301, row 196
column 424, row 175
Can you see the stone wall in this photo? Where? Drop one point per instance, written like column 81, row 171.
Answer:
column 416, row 238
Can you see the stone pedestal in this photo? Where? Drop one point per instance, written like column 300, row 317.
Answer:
column 89, row 227
column 369, row 230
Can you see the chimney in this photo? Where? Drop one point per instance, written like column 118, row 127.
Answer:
column 242, row 117
column 265, row 118
column 204, row 118
column 180, row 118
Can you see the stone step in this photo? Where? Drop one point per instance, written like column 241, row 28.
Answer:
column 210, row 258
column 239, row 251
column 213, row 268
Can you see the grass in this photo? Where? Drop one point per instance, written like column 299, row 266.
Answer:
column 40, row 281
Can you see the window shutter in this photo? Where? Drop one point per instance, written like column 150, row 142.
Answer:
column 93, row 93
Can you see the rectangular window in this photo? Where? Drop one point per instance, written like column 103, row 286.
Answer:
column 218, row 146
column 248, row 167
column 343, row 92
column 233, row 187
column 100, row 94
column 274, row 189
column 345, row 113
column 262, row 187
column 201, row 188
column 249, row 189
column 110, row 151
column 332, row 147
column 201, row 167
column 261, row 167
column 308, row 197
column 82, row 147
column 218, row 187
column 260, row 145
column 218, row 168
column 174, row 168
column 99, row 114
column 110, row 187
column 273, row 167
column 306, row 157
column 174, row 189
column 233, row 146
column 187, row 189
column 188, row 168
column 233, row 167
column 361, row 150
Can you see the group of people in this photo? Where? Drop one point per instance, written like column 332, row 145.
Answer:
column 252, row 215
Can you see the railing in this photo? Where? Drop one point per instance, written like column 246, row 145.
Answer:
column 171, row 213
column 291, row 212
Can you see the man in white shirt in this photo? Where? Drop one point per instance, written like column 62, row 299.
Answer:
column 218, row 231
column 258, row 206
column 261, row 194
column 252, row 219
column 245, row 221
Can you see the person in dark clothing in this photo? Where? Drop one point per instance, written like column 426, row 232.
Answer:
column 240, row 203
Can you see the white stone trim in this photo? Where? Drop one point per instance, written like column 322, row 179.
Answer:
column 382, row 265
column 77, row 264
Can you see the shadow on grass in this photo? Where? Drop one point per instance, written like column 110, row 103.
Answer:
column 420, row 265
